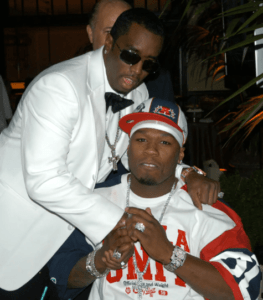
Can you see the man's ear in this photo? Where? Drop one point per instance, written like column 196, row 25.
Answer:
column 108, row 43
column 181, row 155
column 90, row 34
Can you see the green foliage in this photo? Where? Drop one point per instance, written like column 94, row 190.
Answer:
column 209, row 42
column 245, row 196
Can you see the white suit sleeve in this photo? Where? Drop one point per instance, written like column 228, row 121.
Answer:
column 50, row 113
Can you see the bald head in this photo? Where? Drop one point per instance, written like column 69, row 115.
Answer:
column 104, row 15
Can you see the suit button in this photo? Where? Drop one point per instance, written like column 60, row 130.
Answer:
column 70, row 227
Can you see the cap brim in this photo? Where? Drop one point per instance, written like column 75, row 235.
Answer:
column 129, row 121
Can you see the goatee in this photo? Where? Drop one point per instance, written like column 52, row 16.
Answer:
column 147, row 181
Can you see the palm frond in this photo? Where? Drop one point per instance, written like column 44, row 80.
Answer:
column 246, row 117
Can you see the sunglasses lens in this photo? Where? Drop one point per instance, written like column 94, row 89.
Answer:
column 132, row 58
column 129, row 57
column 150, row 66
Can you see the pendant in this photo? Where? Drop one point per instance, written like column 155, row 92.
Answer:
column 139, row 284
column 114, row 159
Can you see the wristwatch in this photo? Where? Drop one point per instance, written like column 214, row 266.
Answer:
column 191, row 169
column 177, row 259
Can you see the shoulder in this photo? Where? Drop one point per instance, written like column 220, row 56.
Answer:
column 72, row 65
column 67, row 77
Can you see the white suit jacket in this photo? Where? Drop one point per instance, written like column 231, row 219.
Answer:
column 49, row 161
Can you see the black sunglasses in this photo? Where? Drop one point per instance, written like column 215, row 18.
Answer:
column 131, row 58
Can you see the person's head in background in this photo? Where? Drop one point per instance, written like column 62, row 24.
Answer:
column 103, row 16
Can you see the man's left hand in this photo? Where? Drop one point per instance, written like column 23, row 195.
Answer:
column 202, row 189
column 153, row 239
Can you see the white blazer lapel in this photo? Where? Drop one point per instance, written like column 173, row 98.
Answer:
column 96, row 86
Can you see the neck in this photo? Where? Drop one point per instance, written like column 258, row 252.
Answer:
column 152, row 191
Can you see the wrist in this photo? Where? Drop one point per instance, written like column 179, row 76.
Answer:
column 177, row 259
column 168, row 253
column 191, row 171
column 92, row 268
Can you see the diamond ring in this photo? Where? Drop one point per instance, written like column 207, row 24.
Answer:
column 123, row 265
column 140, row 226
column 116, row 254
column 220, row 195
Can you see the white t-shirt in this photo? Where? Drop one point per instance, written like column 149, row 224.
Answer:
column 185, row 226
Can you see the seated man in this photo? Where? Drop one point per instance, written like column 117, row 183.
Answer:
column 167, row 247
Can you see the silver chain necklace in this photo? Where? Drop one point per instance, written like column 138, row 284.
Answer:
column 114, row 158
column 139, row 284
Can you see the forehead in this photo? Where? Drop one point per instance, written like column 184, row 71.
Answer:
column 153, row 132
column 109, row 12
column 141, row 40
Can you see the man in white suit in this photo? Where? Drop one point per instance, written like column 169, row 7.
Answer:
column 54, row 150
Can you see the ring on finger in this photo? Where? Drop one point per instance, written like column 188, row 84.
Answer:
column 123, row 265
column 140, row 226
column 116, row 254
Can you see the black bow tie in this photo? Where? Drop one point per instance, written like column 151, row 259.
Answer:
column 117, row 102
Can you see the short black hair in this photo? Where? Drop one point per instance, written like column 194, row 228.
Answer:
column 141, row 16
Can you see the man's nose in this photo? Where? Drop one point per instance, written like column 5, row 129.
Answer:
column 137, row 68
column 152, row 148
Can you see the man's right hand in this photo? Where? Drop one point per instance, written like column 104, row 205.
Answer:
column 116, row 240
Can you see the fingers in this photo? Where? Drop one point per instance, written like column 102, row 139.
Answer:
column 196, row 198
column 126, row 251
column 110, row 261
column 202, row 189
column 139, row 212
column 213, row 193
column 148, row 210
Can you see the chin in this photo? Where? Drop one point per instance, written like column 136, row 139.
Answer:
column 147, row 181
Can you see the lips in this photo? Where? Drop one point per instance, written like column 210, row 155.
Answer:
column 128, row 81
column 149, row 165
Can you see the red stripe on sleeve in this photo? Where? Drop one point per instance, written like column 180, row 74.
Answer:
column 233, row 238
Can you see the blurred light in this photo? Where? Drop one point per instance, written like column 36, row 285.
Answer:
column 17, row 85
column 223, row 170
